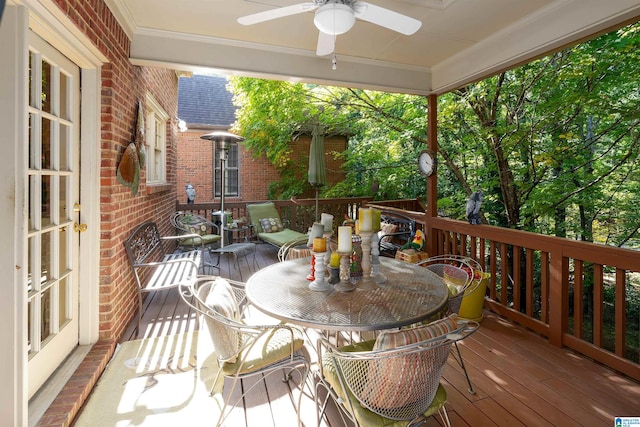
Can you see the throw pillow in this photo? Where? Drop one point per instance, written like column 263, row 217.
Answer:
column 222, row 301
column 387, row 386
column 391, row 339
column 198, row 229
column 385, row 230
column 271, row 225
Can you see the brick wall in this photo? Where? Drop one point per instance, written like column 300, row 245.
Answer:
column 122, row 86
column 195, row 167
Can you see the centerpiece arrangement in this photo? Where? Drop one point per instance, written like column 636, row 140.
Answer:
column 356, row 259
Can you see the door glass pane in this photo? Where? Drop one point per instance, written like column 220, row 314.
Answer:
column 45, row 312
column 33, row 144
column 64, row 202
column 30, row 268
column 46, row 200
column 63, row 302
column 31, row 82
column 32, row 203
column 65, row 101
column 64, row 250
column 46, row 87
column 63, row 143
column 46, row 143
column 29, row 323
column 45, row 258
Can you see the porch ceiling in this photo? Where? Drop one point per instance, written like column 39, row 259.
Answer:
column 460, row 40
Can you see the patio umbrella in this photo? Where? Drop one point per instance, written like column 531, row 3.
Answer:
column 317, row 176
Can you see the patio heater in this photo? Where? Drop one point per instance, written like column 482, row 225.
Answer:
column 222, row 141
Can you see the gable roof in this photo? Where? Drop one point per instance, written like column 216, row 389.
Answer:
column 205, row 101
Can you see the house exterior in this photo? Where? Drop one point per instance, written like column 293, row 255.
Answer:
column 205, row 105
column 66, row 214
column 64, row 60
column 69, row 94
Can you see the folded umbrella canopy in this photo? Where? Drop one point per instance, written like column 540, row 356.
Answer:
column 317, row 175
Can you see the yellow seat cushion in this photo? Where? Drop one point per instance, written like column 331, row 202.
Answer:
column 271, row 347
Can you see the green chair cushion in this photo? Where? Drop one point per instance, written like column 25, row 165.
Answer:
column 281, row 237
column 271, row 347
column 203, row 239
column 257, row 211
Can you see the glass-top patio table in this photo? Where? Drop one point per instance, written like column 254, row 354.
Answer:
column 410, row 294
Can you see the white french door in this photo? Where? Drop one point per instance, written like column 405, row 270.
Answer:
column 53, row 181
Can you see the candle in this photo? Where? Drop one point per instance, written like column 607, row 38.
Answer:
column 344, row 239
column 377, row 213
column 319, row 244
column 327, row 221
column 316, row 231
column 334, row 261
column 365, row 219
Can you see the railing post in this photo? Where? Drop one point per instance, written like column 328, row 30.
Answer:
column 432, row 181
column 558, row 295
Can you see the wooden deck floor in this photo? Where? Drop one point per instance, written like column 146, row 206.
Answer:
column 520, row 379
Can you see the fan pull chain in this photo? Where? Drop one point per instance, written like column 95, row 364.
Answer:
column 334, row 62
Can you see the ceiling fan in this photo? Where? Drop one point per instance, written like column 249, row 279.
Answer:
column 335, row 17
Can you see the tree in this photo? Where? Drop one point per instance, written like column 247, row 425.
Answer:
column 553, row 144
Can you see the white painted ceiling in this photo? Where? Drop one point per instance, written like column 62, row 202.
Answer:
column 460, row 40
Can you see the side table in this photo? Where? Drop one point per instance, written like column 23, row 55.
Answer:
column 238, row 250
column 231, row 230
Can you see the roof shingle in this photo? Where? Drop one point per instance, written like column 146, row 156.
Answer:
column 205, row 100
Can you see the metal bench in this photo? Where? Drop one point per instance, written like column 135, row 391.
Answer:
column 154, row 267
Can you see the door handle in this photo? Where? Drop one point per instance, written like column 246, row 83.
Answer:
column 79, row 227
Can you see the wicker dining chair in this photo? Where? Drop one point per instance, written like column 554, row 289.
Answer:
column 244, row 347
column 375, row 387
column 460, row 273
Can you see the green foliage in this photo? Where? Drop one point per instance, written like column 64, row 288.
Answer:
column 553, row 144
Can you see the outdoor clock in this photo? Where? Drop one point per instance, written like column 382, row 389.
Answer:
column 426, row 163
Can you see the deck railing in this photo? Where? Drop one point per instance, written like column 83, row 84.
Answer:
column 298, row 214
column 574, row 293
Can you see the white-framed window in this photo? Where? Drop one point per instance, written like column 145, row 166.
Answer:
column 156, row 141
column 232, row 168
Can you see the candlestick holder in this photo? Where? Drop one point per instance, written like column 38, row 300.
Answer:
column 311, row 276
column 327, row 235
column 377, row 276
column 344, row 285
column 319, row 283
column 367, row 282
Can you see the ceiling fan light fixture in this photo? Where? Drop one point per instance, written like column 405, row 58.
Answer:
column 334, row 18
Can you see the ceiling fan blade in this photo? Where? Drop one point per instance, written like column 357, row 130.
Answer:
column 386, row 18
column 326, row 44
column 276, row 13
